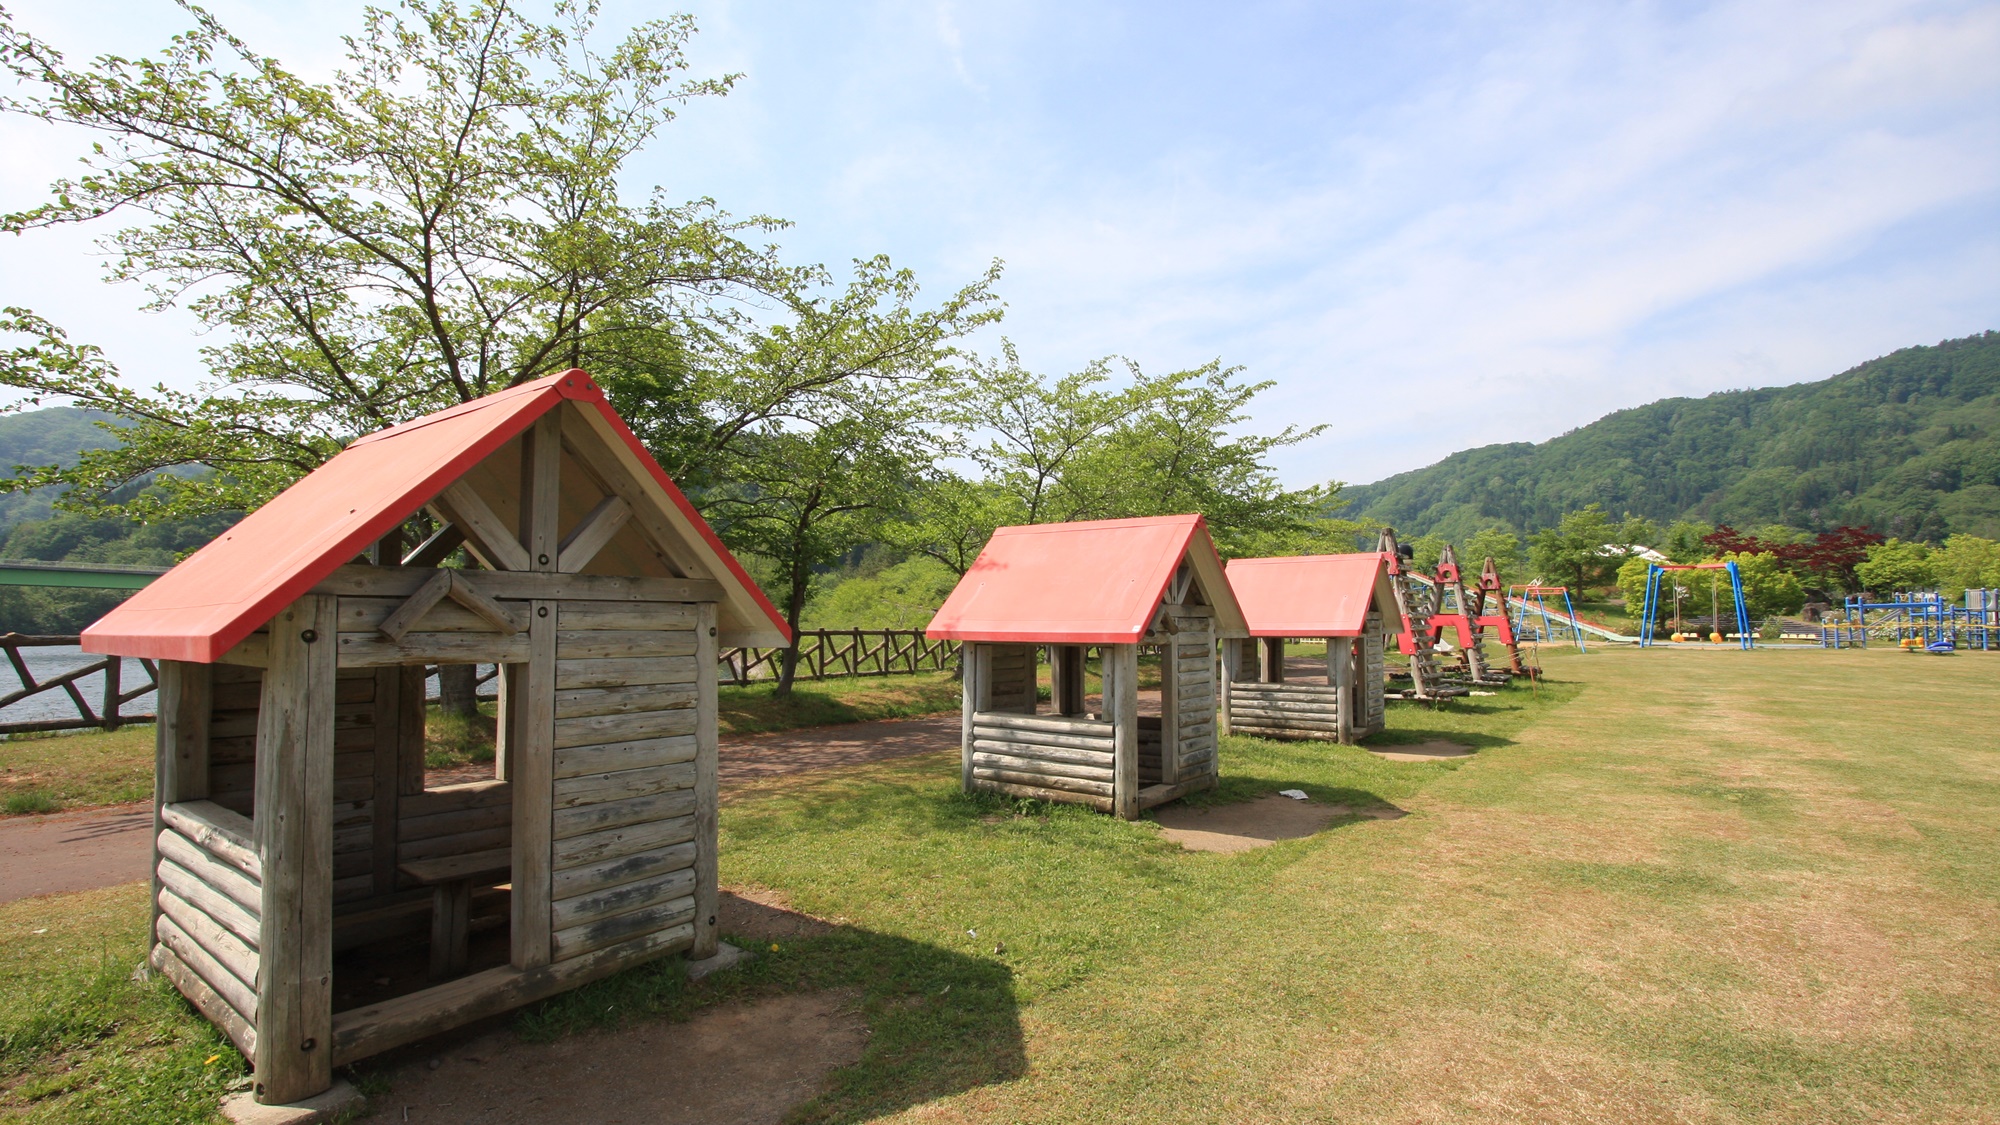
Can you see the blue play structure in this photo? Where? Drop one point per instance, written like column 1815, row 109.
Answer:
column 1923, row 616
column 1650, row 619
column 1534, row 621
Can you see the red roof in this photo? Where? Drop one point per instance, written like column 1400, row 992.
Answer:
column 1090, row 583
column 222, row 593
column 1311, row 595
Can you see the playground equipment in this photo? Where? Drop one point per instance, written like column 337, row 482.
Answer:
column 1534, row 621
column 1109, row 584
column 292, row 816
column 1460, row 610
column 1649, row 620
column 1414, row 604
column 1922, row 616
column 1343, row 598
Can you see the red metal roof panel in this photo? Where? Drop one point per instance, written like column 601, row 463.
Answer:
column 1310, row 595
column 1094, row 582
column 222, row 593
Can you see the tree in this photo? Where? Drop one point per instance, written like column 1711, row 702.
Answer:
column 1894, row 566
column 1427, row 551
column 948, row 519
column 1587, row 547
column 437, row 221
column 903, row 596
column 1686, row 541
column 1498, row 544
column 1966, row 562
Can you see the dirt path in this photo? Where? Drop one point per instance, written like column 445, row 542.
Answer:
column 78, row 851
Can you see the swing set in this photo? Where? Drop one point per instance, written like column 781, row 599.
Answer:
column 1535, row 620
column 1650, row 620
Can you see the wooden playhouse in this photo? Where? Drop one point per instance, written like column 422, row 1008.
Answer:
column 1344, row 599
column 294, row 823
column 1113, row 585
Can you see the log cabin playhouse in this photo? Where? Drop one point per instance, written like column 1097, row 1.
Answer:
column 293, row 820
column 1114, row 585
column 1345, row 599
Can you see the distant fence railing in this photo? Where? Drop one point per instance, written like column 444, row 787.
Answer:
column 831, row 653
column 112, row 695
column 98, row 692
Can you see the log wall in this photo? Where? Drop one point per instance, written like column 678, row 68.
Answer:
column 1047, row 757
column 1010, row 682
column 1291, row 710
column 1373, row 703
column 625, row 833
column 210, row 894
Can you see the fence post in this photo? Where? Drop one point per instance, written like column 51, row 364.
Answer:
column 113, row 666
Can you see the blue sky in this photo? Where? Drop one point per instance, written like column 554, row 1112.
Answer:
column 1433, row 225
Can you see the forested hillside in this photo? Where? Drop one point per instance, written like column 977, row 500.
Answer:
column 53, row 436
column 1908, row 444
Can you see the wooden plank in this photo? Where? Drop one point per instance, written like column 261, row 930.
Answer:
column 239, row 887
column 413, row 608
column 1095, row 758
column 492, row 864
column 617, row 672
column 372, row 650
column 593, row 730
column 386, row 791
column 664, row 887
column 628, row 617
column 228, row 912
column 595, row 847
column 667, row 916
column 252, row 651
column 361, row 1032
column 586, row 644
column 1053, row 724
column 592, row 532
column 401, row 582
column 496, row 616
column 579, row 703
column 575, row 761
column 982, row 730
column 531, row 770
column 595, row 818
column 1155, row 795
column 1008, row 762
column 475, row 819
column 294, row 838
column 223, row 835
column 1121, row 699
column 574, row 881
column 217, row 946
column 455, row 843
column 617, row 785
column 363, row 615
column 972, row 659
column 1054, row 782
column 209, row 1002
column 464, row 795
column 1340, row 673
column 486, row 534
column 1172, row 697
column 185, row 695
column 1039, row 793
column 410, row 732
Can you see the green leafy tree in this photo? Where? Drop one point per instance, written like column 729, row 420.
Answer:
column 1428, row 549
column 1587, row 547
column 1683, row 541
column 1498, row 544
column 948, row 519
column 1965, row 562
column 903, row 596
column 1895, row 566
column 438, row 220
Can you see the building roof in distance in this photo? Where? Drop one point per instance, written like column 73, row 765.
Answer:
column 1096, row 582
column 1313, row 595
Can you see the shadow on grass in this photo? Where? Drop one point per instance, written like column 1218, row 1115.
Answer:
column 940, row 1022
column 1410, row 736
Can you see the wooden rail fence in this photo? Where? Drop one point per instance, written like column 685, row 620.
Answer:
column 823, row 654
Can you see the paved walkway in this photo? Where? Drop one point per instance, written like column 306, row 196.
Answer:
column 77, row 851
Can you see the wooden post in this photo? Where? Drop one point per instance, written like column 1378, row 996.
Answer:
column 707, row 787
column 973, row 656
column 180, row 751
column 1340, row 673
column 1121, row 700
column 294, row 824
column 510, row 685
column 531, row 744
column 1232, row 660
column 410, row 712
column 1170, row 711
column 1272, row 661
column 387, row 791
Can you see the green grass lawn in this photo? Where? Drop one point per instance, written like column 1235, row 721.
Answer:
column 1675, row 887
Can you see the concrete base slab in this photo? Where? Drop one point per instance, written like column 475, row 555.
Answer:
column 726, row 956
column 243, row 1109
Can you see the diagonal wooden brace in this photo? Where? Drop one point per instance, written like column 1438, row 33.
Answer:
column 592, row 533
column 493, row 613
column 415, row 606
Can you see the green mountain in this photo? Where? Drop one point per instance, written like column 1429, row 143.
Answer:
column 1908, row 444
column 52, row 436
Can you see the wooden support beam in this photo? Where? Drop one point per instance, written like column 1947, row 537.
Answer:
column 1232, row 662
column 1121, row 700
column 590, row 535
column 518, row 585
column 592, row 453
column 1340, row 673
column 485, row 533
column 415, row 606
column 437, row 548
column 1170, row 711
column 707, row 873
column 185, row 696
column 975, row 658
column 531, row 744
column 294, row 824
column 387, row 791
column 502, row 619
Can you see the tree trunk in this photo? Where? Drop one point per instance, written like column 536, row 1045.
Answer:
column 458, row 689
column 795, row 604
